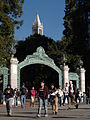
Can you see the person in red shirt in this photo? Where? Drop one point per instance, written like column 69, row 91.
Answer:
column 33, row 94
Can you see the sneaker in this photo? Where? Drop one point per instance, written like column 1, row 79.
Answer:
column 55, row 113
column 76, row 106
column 9, row 114
column 46, row 115
column 63, row 104
column 39, row 115
column 68, row 108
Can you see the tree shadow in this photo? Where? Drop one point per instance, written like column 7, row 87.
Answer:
column 64, row 117
column 17, row 116
column 85, row 108
column 25, row 112
column 23, row 116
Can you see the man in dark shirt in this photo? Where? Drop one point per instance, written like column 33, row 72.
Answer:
column 23, row 92
column 72, row 96
column 43, row 99
column 9, row 93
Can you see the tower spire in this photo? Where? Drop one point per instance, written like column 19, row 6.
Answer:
column 37, row 20
column 37, row 27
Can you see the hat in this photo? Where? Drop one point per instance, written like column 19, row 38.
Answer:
column 8, row 85
column 33, row 88
column 42, row 81
column 52, row 84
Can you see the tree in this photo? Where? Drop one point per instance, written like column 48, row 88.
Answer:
column 29, row 46
column 10, row 11
column 35, row 73
column 76, row 31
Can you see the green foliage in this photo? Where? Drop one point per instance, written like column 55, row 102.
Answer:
column 10, row 10
column 31, row 43
column 36, row 73
column 76, row 32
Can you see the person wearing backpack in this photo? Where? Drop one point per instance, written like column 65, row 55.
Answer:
column 23, row 92
column 9, row 93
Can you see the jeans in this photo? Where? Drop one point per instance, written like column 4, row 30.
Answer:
column 59, row 101
column 72, row 99
column 23, row 99
column 87, row 100
column 65, row 96
column 15, row 101
column 55, row 105
column 9, row 105
column 45, row 103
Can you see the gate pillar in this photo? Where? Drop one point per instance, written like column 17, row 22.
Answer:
column 13, row 72
column 82, row 79
column 65, row 74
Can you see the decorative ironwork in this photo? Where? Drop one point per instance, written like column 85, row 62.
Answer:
column 39, row 57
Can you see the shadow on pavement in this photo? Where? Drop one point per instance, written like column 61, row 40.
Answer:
column 25, row 112
column 18, row 116
column 85, row 108
column 64, row 117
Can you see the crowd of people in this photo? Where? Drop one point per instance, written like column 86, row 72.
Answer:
column 53, row 96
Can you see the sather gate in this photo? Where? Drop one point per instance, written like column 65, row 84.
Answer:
column 39, row 57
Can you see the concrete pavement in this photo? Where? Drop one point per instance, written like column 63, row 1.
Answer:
column 83, row 113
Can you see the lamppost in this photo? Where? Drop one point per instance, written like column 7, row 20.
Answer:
column 81, row 73
column 64, row 60
column 80, row 64
column 13, row 50
column 65, row 70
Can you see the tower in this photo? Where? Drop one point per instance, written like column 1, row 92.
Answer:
column 37, row 26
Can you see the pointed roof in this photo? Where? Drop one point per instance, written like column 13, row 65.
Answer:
column 37, row 20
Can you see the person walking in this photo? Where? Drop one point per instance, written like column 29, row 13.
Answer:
column 60, row 95
column 15, row 97
column 88, row 95
column 66, row 91
column 54, row 99
column 1, row 97
column 23, row 92
column 43, row 99
column 72, row 96
column 9, row 93
column 33, row 94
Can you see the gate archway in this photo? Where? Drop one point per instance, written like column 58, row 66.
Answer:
column 75, row 78
column 39, row 57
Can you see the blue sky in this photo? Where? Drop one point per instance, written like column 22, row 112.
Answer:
column 51, row 14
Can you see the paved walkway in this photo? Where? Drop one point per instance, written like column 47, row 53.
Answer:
column 83, row 113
